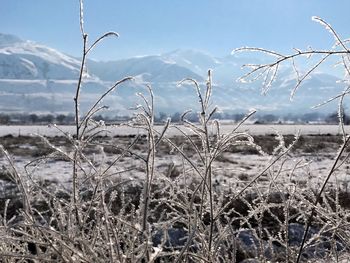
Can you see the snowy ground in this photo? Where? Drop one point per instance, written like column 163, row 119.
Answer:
column 310, row 161
column 304, row 168
column 125, row 130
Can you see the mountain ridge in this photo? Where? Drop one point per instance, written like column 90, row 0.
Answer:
column 29, row 61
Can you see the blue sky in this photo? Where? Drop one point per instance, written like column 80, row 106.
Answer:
column 156, row 26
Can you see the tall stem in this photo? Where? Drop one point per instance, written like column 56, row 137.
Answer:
column 77, row 122
column 77, row 94
column 318, row 197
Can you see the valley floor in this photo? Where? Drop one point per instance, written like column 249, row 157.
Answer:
column 300, row 173
column 309, row 160
column 123, row 130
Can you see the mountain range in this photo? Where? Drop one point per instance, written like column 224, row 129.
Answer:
column 39, row 79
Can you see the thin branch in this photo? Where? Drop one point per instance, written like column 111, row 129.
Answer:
column 108, row 34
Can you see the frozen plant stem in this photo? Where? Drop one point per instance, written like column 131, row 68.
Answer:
column 269, row 71
column 147, row 116
column 203, row 133
column 149, row 174
column 76, row 98
column 318, row 197
column 208, row 157
column 81, row 125
column 77, row 118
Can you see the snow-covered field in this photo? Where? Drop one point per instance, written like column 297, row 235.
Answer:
column 252, row 129
column 311, row 159
column 300, row 173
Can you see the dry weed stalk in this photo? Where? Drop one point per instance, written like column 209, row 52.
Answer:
column 269, row 72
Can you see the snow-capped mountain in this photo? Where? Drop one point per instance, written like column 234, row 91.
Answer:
column 36, row 78
column 154, row 69
column 197, row 61
column 28, row 60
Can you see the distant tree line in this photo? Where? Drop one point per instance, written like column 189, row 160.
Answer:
column 22, row 118
column 310, row 118
column 68, row 119
column 62, row 119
